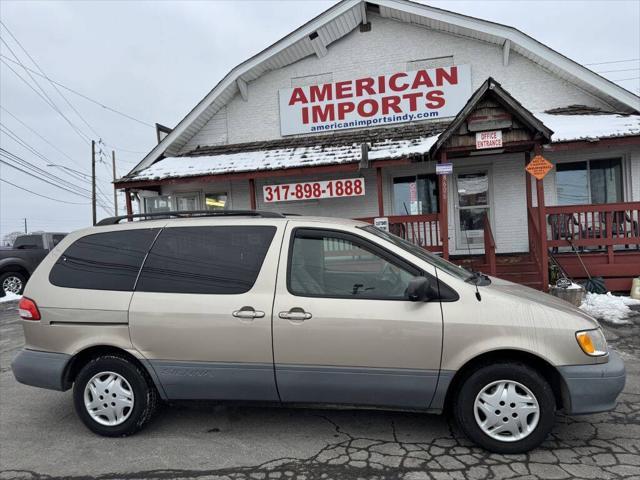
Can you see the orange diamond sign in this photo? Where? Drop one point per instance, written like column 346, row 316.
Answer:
column 539, row 167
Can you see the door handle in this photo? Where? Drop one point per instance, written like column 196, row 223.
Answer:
column 295, row 314
column 248, row 313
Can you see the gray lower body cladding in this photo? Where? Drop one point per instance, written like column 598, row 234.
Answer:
column 299, row 384
column 594, row 388
column 40, row 369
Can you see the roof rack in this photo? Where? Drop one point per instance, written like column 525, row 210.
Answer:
column 189, row 214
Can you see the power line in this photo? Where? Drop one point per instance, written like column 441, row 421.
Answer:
column 97, row 102
column 23, row 143
column 45, row 76
column 43, row 196
column 625, row 79
column 47, row 100
column 614, row 61
column 76, row 175
column 40, row 136
column 24, row 163
column 621, row 70
column 28, row 164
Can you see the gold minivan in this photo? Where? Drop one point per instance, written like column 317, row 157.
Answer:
column 262, row 307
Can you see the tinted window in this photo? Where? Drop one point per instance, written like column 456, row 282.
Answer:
column 335, row 266
column 28, row 241
column 103, row 261
column 214, row 260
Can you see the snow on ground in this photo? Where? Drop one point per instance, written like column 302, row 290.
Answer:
column 608, row 307
column 10, row 297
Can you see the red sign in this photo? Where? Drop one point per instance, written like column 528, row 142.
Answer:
column 539, row 167
column 349, row 187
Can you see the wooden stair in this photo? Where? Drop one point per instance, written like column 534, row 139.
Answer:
column 517, row 268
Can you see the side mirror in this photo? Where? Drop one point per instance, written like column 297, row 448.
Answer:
column 420, row 290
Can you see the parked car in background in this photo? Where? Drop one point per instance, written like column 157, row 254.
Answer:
column 257, row 306
column 18, row 262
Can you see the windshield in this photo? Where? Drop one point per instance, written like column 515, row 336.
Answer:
column 421, row 253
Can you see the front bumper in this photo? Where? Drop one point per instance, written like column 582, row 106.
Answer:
column 40, row 369
column 594, row 388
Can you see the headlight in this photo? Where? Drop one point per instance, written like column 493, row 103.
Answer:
column 592, row 342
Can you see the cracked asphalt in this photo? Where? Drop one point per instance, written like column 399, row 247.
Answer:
column 40, row 437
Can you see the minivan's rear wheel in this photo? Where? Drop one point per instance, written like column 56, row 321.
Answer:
column 113, row 396
column 505, row 408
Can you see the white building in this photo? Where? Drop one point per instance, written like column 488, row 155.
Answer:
column 378, row 93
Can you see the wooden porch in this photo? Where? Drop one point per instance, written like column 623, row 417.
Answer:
column 606, row 236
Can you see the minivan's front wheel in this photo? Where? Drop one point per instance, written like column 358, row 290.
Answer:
column 505, row 408
column 113, row 396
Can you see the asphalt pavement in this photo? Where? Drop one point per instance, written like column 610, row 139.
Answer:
column 41, row 437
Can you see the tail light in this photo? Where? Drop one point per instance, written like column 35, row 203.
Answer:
column 28, row 309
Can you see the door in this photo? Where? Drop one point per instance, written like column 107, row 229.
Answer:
column 472, row 203
column 201, row 311
column 343, row 330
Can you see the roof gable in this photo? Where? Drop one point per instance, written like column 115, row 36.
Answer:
column 491, row 88
column 315, row 36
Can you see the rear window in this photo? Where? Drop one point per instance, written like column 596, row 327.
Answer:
column 28, row 241
column 103, row 261
column 213, row 260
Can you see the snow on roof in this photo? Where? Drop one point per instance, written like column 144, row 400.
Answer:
column 283, row 158
column 565, row 127
column 588, row 127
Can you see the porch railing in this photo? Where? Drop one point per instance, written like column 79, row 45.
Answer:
column 423, row 230
column 603, row 226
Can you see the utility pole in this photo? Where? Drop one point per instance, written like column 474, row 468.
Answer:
column 93, row 181
column 115, row 192
column 25, row 226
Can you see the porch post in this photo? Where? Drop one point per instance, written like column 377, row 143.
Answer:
column 380, row 195
column 252, row 193
column 542, row 222
column 127, row 197
column 527, row 178
column 443, row 218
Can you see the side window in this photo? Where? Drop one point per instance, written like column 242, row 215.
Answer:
column 334, row 265
column 213, row 260
column 103, row 261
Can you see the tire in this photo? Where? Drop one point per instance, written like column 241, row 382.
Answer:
column 517, row 429
column 13, row 282
column 127, row 380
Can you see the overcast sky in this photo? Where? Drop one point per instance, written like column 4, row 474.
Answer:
column 155, row 60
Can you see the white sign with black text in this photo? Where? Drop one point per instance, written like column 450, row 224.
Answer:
column 382, row 223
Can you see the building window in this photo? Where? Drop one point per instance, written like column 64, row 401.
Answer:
column 587, row 182
column 187, row 202
column 215, row 201
column 415, row 195
column 161, row 203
